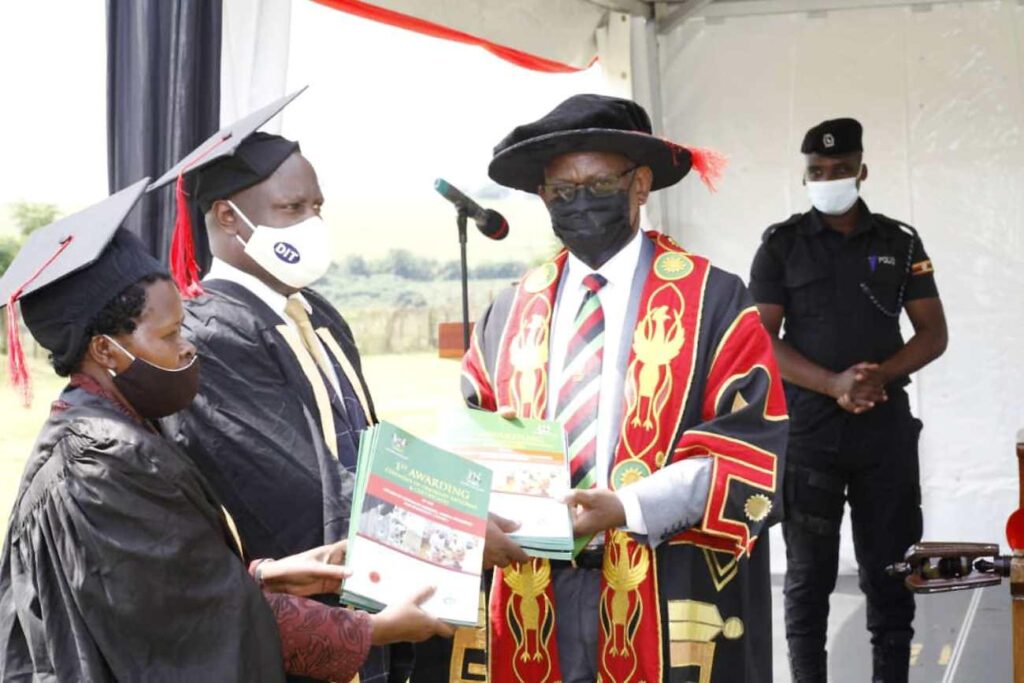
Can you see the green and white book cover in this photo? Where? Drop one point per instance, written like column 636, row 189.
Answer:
column 531, row 473
column 420, row 519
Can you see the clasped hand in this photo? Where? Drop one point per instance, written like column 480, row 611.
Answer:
column 859, row 388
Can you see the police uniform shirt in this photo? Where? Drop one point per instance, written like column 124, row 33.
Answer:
column 842, row 294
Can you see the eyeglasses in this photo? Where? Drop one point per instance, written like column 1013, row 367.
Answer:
column 602, row 186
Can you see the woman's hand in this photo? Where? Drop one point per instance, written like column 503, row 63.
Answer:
column 332, row 553
column 313, row 572
column 406, row 622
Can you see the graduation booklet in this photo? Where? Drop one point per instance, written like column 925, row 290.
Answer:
column 419, row 518
column 531, row 471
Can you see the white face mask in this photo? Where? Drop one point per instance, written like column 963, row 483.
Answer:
column 298, row 255
column 834, row 197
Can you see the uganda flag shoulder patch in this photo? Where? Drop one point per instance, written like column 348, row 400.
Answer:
column 922, row 267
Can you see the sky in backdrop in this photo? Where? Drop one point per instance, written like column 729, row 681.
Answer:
column 387, row 112
column 53, row 112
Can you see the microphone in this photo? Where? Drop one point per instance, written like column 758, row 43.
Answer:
column 491, row 223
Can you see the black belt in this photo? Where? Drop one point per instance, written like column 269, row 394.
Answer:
column 589, row 558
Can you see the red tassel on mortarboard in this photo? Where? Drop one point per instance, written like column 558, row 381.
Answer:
column 20, row 379
column 184, row 268
column 709, row 165
column 16, row 366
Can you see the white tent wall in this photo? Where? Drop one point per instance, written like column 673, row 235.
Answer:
column 255, row 39
column 939, row 90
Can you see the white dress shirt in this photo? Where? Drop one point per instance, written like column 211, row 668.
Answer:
column 615, row 297
column 275, row 301
column 686, row 481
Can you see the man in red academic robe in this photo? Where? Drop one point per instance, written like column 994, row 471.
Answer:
column 663, row 378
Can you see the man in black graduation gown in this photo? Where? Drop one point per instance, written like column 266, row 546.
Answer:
column 281, row 403
column 282, row 400
column 275, row 426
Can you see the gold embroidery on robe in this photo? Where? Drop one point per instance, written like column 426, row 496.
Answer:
column 528, row 354
column 533, row 622
column 692, row 629
column 625, row 568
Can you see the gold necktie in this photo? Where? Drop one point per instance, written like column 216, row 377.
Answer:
column 297, row 312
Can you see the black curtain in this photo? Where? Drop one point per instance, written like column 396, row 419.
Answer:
column 163, row 100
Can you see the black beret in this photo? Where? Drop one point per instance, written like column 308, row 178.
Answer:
column 834, row 138
column 592, row 123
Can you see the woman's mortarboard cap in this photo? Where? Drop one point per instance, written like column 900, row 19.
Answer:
column 66, row 272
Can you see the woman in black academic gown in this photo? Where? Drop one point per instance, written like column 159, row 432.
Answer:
column 119, row 563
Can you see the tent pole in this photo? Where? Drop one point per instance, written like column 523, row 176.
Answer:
column 646, row 68
column 1017, row 571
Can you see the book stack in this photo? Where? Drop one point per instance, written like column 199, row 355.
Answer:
column 530, row 470
column 419, row 518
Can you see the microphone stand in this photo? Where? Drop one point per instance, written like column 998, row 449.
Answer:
column 461, row 221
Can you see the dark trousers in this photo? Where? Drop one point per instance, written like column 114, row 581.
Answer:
column 873, row 464
column 578, row 596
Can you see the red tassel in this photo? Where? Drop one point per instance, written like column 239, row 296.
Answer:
column 16, row 367
column 184, row 268
column 709, row 165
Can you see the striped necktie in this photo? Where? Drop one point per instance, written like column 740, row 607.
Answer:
column 581, row 385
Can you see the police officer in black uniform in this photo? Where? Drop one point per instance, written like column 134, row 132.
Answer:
column 839, row 276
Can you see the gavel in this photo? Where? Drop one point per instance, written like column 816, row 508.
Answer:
column 944, row 567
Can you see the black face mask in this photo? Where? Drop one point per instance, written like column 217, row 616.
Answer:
column 593, row 228
column 156, row 392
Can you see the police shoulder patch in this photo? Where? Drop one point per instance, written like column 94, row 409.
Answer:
column 893, row 223
column 773, row 229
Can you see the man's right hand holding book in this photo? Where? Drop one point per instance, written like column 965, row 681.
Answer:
column 499, row 549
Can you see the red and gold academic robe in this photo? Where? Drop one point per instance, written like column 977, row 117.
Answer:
column 700, row 380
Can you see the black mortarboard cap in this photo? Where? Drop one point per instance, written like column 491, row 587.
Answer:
column 231, row 160
column 66, row 272
column 254, row 160
column 225, row 142
column 834, row 138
